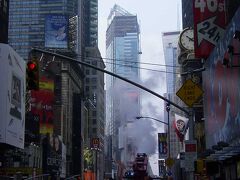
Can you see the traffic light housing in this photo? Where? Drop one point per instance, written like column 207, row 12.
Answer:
column 32, row 73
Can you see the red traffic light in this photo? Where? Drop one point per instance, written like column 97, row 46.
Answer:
column 32, row 75
column 31, row 65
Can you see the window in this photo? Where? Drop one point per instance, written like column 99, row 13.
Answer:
column 94, row 113
column 94, row 71
column 94, row 80
column 94, row 130
column 87, row 88
column 87, row 71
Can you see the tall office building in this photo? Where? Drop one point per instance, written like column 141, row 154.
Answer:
column 95, row 101
column 170, row 44
column 30, row 23
column 91, row 22
column 122, row 51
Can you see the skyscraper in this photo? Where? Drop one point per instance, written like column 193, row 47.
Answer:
column 170, row 44
column 122, row 51
column 91, row 23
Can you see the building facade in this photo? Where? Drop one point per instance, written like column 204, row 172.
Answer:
column 170, row 49
column 95, row 97
column 122, row 52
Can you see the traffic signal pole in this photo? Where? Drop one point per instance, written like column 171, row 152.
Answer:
column 69, row 59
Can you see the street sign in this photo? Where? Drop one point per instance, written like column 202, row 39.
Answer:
column 190, row 154
column 210, row 20
column 189, row 93
column 162, row 145
column 95, row 143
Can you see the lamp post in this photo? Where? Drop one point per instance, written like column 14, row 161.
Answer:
column 147, row 117
column 166, row 123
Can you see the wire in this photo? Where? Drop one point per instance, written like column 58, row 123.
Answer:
column 143, row 68
column 113, row 59
column 97, row 58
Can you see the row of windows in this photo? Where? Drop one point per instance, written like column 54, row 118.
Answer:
column 93, row 80
column 24, row 2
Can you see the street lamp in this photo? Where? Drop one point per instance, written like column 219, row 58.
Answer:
column 169, row 160
column 168, row 124
column 143, row 117
column 147, row 117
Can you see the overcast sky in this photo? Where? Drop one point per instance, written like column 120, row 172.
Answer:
column 154, row 17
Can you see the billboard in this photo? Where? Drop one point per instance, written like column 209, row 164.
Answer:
column 42, row 102
column 12, row 97
column 222, row 86
column 180, row 125
column 52, row 155
column 209, row 25
column 162, row 145
column 56, row 31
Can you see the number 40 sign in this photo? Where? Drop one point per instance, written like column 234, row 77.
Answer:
column 209, row 25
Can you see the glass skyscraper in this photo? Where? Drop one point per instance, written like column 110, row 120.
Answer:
column 122, row 51
column 170, row 48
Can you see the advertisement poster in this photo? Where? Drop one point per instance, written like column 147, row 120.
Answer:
column 209, row 25
column 180, row 125
column 12, row 97
column 222, row 86
column 56, row 31
column 162, row 145
column 95, row 143
column 52, row 154
column 42, row 105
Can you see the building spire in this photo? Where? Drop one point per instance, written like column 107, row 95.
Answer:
column 117, row 11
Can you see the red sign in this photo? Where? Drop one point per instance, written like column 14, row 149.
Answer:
column 190, row 147
column 95, row 143
column 42, row 105
column 209, row 25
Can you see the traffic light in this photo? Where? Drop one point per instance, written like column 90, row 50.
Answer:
column 167, row 106
column 32, row 73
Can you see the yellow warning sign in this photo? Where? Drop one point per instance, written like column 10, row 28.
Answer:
column 189, row 93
